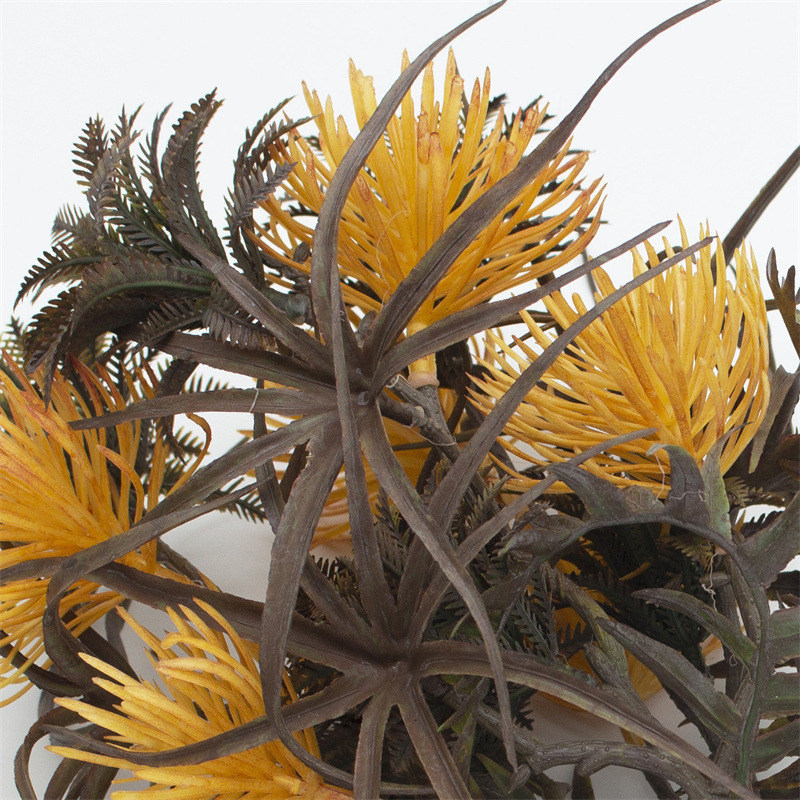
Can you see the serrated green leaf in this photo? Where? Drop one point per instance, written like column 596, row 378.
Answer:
column 714, row 622
column 543, row 534
column 642, row 501
column 593, row 615
column 687, row 495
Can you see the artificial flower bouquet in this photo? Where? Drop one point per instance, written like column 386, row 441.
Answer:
column 483, row 486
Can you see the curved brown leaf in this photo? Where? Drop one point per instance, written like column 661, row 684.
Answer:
column 430, row 746
column 286, row 402
column 770, row 190
column 436, row 540
column 253, row 363
column 457, row 658
column 369, row 751
column 714, row 708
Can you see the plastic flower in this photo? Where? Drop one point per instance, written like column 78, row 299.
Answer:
column 428, row 168
column 211, row 685
column 683, row 354
column 62, row 491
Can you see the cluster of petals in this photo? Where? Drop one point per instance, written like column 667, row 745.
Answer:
column 685, row 353
column 209, row 684
column 63, row 491
column 421, row 176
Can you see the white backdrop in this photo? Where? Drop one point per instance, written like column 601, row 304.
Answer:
column 694, row 124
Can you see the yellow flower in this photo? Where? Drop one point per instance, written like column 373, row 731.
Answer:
column 213, row 679
column 418, row 180
column 682, row 354
column 62, row 491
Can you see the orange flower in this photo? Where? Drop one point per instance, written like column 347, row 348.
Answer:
column 683, row 354
column 420, row 177
column 212, row 677
column 61, row 491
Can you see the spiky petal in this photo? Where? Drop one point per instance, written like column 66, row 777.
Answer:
column 684, row 354
column 418, row 180
column 212, row 685
column 62, row 491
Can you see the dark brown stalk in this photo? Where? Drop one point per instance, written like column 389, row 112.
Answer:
column 437, row 541
column 431, row 747
column 286, row 402
column 289, row 553
column 369, row 751
column 331, row 702
column 257, row 364
column 39, row 729
column 269, row 490
column 374, row 591
column 753, row 212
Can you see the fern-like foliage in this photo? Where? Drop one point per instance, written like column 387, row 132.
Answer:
column 124, row 258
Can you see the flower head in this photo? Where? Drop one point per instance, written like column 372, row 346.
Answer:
column 61, row 491
column 684, row 354
column 211, row 685
column 421, row 176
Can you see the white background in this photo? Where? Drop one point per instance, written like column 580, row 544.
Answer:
column 694, row 124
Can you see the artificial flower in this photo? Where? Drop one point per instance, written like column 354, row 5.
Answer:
column 420, row 177
column 62, row 491
column 211, row 685
column 684, row 353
